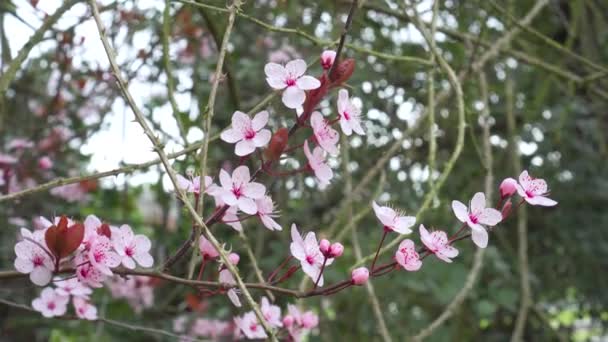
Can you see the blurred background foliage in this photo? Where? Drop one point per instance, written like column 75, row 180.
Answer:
column 560, row 97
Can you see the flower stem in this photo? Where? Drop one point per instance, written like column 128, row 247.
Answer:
column 274, row 273
column 321, row 272
column 202, row 269
column 378, row 250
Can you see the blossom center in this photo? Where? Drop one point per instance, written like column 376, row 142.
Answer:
column 130, row 251
column 529, row 194
column 249, row 134
column 290, row 82
column 253, row 327
column 473, row 218
column 346, row 115
column 99, row 256
column 38, row 261
column 310, row 259
column 50, row 305
column 237, row 191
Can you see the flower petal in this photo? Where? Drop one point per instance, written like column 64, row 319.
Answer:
column 259, row 120
column 244, row 148
column 262, row 138
column 254, row 190
column 296, row 68
column 247, row 205
column 460, row 210
column 293, row 97
column 490, row 217
column 308, row 83
column 231, row 136
column 478, row 203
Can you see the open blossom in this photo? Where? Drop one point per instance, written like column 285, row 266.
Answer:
column 407, row 257
column 393, row 220
column 50, row 303
column 101, row 255
column 84, row 309
column 33, row 259
column 207, row 250
column 87, row 273
column 240, row 191
column 298, row 323
column 272, row 313
column 438, row 244
column 316, row 161
column 350, row 115
column 308, row 253
column 326, row 136
column 194, row 185
column 250, row 326
column 327, row 59
column 534, row 190
column 291, row 78
column 227, row 278
column 132, row 248
column 247, row 133
column 266, row 213
column 72, row 287
column 476, row 216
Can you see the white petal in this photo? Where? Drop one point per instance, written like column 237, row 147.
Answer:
column 225, row 179
column 144, row 259
column 41, row 276
column 293, row 97
column 480, row 237
column 234, row 298
column 403, row 224
column 478, row 203
column 244, row 148
column 247, row 205
column 231, row 136
column 490, row 217
column 259, row 120
column 254, row 190
column 183, row 183
column 262, row 138
column 308, row 83
column 143, row 243
column 128, row 263
column 296, row 68
column 275, row 75
column 23, row 265
column 460, row 210
column 324, row 173
column 542, row 201
column 346, row 127
column 384, row 214
column 342, row 100
column 240, row 175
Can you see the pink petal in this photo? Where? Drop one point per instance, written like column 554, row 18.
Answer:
column 524, row 179
column 259, row 120
column 128, row 263
column 262, row 138
column 342, row 100
column 240, row 121
column 254, row 190
column 240, row 175
column 542, row 201
column 183, row 183
column 293, row 97
column 234, row 298
column 225, row 179
column 490, row 217
column 384, row 214
column 296, row 68
column 460, row 210
column 275, row 75
column 308, row 83
column 143, row 243
column 324, row 173
column 480, row 237
column 41, row 276
column 23, row 265
column 403, row 224
column 478, row 203
column 231, row 135
column 244, row 147
column 346, row 127
column 247, row 205
column 144, row 259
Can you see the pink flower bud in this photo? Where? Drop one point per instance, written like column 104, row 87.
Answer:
column 508, row 187
column 327, row 59
column 335, row 250
column 288, row 320
column 309, row 320
column 324, row 246
column 234, row 258
column 45, row 163
column 359, row 276
column 506, row 209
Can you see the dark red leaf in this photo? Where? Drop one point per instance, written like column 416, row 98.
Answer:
column 104, row 229
column 343, row 71
column 277, row 144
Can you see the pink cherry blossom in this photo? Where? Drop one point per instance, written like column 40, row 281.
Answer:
column 508, row 187
column 132, row 248
column 307, row 251
column 350, row 115
column 291, row 78
column 534, row 190
column 247, row 133
column 84, row 309
column 86, row 273
column 50, row 303
column 137, row 290
column 194, row 185
column 392, row 220
column 234, row 258
column 232, row 219
column 272, row 313
column 45, row 163
column 72, row 287
column 207, row 250
column 102, row 257
column 359, row 275
column 32, row 259
column 326, row 136
column 250, row 326
column 327, row 59
column 266, row 213
column 407, row 257
column 240, row 191
column 227, row 278
column 438, row 244
column 316, row 161
column 310, row 320
column 477, row 216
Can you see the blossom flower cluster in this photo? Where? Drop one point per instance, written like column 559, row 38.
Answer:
column 89, row 251
column 138, row 291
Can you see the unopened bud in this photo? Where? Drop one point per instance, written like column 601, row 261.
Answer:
column 359, row 275
column 343, row 71
column 324, row 246
column 335, row 250
column 234, row 258
column 506, row 209
column 508, row 187
column 288, row 320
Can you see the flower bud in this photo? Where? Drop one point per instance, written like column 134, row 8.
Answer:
column 508, row 187
column 327, row 59
column 359, row 276
column 234, row 258
column 324, row 246
column 309, row 320
column 343, row 71
column 335, row 250
column 45, row 163
column 506, row 209
column 288, row 321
